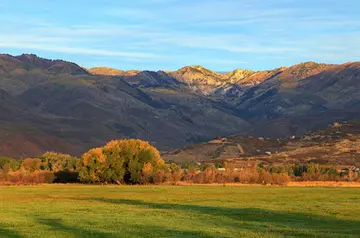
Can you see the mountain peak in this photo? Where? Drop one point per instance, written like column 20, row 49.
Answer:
column 239, row 74
column 54, row 66
column 29, row 56
column 309, row 65
column 199, row 67
column 304, row 69
column 105, row 71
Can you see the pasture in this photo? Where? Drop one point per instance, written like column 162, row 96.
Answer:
column 178, row 211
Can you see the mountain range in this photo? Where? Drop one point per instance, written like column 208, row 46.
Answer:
column 59, row 106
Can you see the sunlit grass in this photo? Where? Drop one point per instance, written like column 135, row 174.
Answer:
column 183, row 211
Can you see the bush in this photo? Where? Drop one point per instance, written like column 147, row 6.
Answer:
column 247, row 175
column 158, row 176
column 190, row 174
column 210, row 174
column 280, row 179
column 265, row 177
column 229, row 172
column 281, row 169
column 176, row 173
column 23, row 176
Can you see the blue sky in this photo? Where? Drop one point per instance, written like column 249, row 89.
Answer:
column 168, row 34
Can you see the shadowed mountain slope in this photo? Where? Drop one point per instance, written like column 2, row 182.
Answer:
column 86, row 108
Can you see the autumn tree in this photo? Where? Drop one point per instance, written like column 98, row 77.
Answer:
column 133, row 154
column 118, row 161
column 146, row 173
column 176, row 173
column 53, row 161
column 210, row 174
column 158, row 176
column 229, row 171
column 92, row 166
column 31, row 165
column 190, row 172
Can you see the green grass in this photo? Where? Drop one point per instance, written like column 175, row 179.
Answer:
column 175, row 211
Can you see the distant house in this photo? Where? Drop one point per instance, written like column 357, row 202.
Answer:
column 221, row 169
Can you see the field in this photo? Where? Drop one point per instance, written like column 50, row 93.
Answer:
column 178, row 211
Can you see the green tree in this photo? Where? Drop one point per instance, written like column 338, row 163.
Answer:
column 8, row 164
column 56, row 162
column 92, row 166
column 118, row 161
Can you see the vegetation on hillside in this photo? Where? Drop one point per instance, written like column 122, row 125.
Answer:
column 137, row 162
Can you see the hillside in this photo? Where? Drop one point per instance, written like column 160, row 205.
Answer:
column 87, row 108
column 338, row 144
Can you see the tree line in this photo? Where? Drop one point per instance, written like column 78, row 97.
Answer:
column 137, row 162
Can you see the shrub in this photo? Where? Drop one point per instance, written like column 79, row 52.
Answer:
column 280, row 179
column 299, row 169
column 229, row 172
column 158, row 176
column 191, row 174
column 23, row 176
column 220, row 178
column 247, row 175
column 200, row 177
column 281, row 169
column 176, row 173
column 210, row 174
column 265, row 177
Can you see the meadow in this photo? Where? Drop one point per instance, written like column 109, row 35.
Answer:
column 178, row 211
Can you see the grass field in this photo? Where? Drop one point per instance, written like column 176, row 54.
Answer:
column 178, row 211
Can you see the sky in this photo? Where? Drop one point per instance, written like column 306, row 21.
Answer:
column 221, row 35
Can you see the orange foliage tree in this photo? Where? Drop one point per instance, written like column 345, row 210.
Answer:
column 119, row 161
column 146, row 173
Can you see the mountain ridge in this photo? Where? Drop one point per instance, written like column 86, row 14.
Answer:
column 169, row 109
